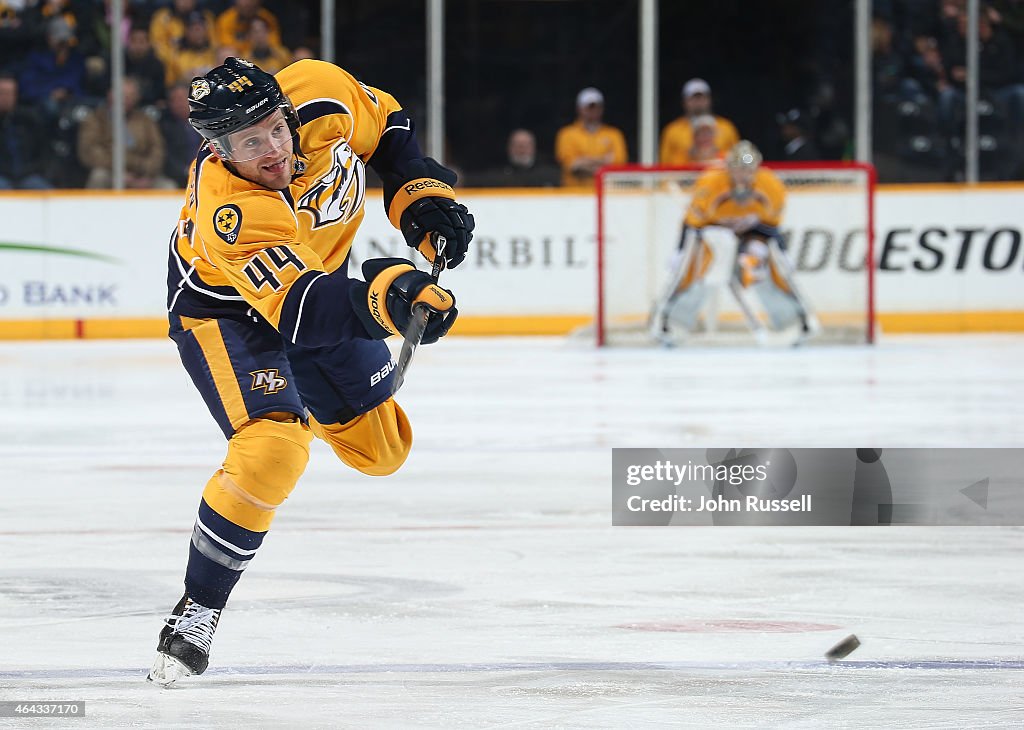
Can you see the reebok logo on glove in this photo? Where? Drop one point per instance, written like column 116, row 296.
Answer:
column 384, row 301
column 434, row 297
column 427, row 184
column 375, row 311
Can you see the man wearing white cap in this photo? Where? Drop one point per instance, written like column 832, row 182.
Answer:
column 677, row 137
column 587, row 145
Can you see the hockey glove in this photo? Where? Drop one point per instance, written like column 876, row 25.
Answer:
column 425, row 203
column 384, row 301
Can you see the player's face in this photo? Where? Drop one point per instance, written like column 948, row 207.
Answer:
column 742, row 177
column 262, row 153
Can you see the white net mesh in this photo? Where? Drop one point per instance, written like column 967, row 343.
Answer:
column 824, row 227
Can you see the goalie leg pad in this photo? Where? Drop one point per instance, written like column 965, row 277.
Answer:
column 686, row 292
column 782, row 309
column 264, row 462
column 376, row 442
column 779, row 296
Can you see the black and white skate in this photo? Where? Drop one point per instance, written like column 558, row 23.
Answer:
column 659, row 330
column 809, row 327
column 185, row 640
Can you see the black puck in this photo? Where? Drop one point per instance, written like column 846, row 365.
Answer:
column 843, row 649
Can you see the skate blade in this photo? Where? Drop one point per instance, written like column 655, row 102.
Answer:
column 167, row 670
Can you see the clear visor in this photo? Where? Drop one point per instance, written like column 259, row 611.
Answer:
column 265, row 137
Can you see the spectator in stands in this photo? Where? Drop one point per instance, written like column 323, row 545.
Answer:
column 926, row 67
column 522, row 169
column 950, row 10
column 141, row 62
column 797, row 143
column 891, row 76
column 222, row 53
column 232, row 27
column 677, row 137
column 1008, row 15
column 17, row 32
column 81, row 16
column 704, row 149
column 53, row 75
column 168, row 26
column 144, row 158
column 266, row 54
column 302, row 52
column 587, row 145
column 997, row 71
column 181, row 140
column 194, row 54
column 831, row 132
column 22, row 142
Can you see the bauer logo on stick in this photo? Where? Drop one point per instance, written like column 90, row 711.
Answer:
column 227, row 221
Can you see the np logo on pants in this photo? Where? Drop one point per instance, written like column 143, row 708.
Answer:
column 268, row 381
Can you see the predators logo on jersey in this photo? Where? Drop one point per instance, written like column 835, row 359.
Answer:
column 337, row 194
column 227, row 220
column 268, row 381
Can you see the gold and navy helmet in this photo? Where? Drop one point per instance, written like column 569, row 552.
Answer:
column 233, row 96
column 743, row 156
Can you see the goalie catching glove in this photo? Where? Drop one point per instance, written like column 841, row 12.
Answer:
column 384, row 302
column 426, row 203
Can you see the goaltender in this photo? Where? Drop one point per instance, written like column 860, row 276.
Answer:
column 746, row 201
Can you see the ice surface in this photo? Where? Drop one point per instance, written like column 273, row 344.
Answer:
column 483, row 586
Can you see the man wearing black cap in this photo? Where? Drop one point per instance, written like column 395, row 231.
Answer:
column 797, row 145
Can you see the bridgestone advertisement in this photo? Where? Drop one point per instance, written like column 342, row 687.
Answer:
column 104, row 256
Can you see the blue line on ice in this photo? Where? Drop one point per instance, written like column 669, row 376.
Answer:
column 326, row 669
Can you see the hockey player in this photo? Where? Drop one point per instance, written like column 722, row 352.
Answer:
column 281, row 344
column 748, row 200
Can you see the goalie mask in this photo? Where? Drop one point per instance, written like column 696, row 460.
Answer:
column 742, row 163
column 226, row 103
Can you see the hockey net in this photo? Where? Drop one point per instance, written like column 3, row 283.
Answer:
column 828, row 233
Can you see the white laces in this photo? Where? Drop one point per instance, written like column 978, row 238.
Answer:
column 196, row 624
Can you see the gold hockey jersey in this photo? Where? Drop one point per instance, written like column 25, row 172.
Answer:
column 714, row 200
column 239, row 245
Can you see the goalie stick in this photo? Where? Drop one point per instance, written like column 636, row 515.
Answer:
column 420, row 316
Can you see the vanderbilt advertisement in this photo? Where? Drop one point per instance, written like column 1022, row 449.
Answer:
column 947, row 250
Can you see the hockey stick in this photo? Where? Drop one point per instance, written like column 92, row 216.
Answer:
column 420, row 316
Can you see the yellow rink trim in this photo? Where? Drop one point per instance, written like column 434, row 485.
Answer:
column 896, row 323
column 94, row 329
column 891, row 323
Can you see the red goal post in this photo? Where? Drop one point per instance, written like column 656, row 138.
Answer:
column 828, row 223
